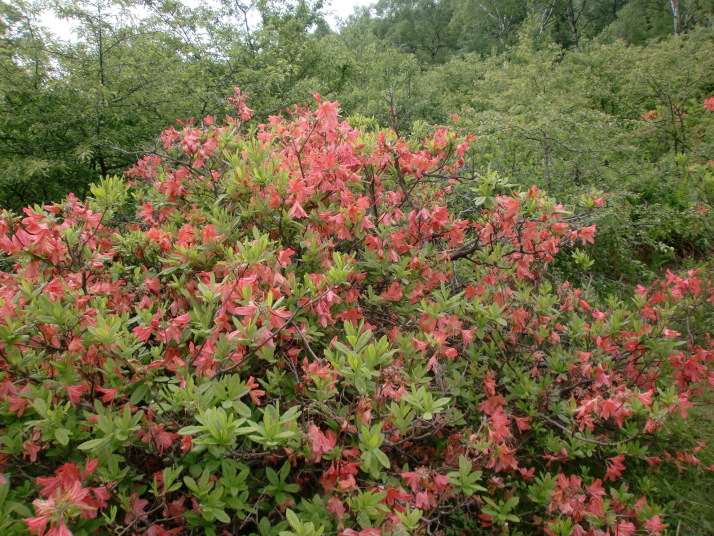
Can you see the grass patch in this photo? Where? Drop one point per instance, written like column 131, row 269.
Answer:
column 688, row 491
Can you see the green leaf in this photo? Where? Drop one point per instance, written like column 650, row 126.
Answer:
column 40, row 406
column 221, row 516
column 4, row 489
column 93, row 443
column 191, row 484
column 293, row 519
column 62, row 436
column 139, row 393
column 190, row 430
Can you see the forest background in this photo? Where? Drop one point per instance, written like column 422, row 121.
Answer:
column 606, row 100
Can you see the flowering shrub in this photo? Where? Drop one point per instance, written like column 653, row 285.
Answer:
column 287, row 332
column 709, row 103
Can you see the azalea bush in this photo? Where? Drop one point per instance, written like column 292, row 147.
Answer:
column 285, row 331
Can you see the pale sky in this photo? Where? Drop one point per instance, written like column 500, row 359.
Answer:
column 341, row 9
column 344, row 8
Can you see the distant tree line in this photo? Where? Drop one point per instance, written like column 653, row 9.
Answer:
column 74, row 111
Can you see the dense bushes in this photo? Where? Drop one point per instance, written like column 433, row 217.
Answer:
column 287, row 332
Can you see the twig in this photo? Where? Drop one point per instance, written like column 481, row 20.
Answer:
column 576, row 435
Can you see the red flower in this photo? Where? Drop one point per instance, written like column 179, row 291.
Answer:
column 587, row 234
column 614, row 467
column 30, row 450
column 37, row 524
column 59, row 530
column 654, row 525
column 109, row 394
column 158, row 436
column 321, row 442
column 393, row 293
column 17, row 404
column 70, row 502
column 709, row 103
column 75, row 392
column 254, row 392
column 137, row 509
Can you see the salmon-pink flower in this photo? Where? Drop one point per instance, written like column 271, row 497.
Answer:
column 655, row 525
column 37, row 524
column 587, row 234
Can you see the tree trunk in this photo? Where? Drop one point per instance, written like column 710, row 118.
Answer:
column 676, row 16
column 573, row 23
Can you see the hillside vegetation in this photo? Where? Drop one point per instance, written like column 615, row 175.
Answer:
column 445, row 270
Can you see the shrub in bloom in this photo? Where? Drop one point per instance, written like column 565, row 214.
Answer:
column 287, row 331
